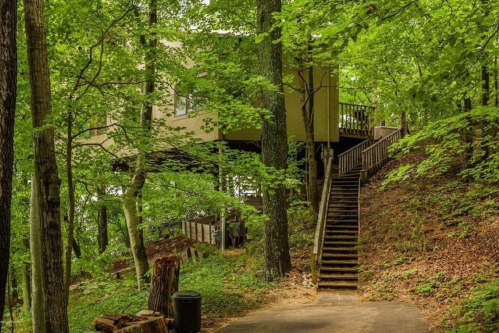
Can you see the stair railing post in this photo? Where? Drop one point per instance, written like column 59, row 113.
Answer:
column 363, row 172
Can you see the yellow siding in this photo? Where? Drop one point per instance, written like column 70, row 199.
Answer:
column 326, row 110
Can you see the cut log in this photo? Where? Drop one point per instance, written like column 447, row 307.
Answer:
column 109, row 323
column 164, row 283
column 155, row 325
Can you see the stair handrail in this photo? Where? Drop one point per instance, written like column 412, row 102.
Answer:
column 321, row 218
column 376, row 155
column 352, row 157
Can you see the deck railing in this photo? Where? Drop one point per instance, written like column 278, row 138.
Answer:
column 351, row 158
column 321, row 219
column 374, row 157
column 355, row 119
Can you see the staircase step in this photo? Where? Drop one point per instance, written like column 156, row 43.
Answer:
column 339, row 277
column 340, row 238
column 338, row 216
column 347, row 193
column 338, row 244
column 343, row 257
column 339, row 249
column 341, row 232
column 351, row 269
column 337, row 285
column 342, row 226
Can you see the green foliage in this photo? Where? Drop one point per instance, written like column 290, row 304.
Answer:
column 480, row 312
column 464, row 144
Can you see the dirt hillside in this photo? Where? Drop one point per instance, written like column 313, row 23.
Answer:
column 429, row 242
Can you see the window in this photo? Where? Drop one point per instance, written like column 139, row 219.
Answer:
column 185, row 103
column 180, row 105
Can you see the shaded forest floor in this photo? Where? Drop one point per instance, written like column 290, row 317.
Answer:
column 431, row 243
column 231, row 283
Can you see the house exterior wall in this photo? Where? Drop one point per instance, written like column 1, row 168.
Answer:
column 326, row 112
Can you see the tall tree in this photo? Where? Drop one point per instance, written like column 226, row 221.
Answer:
column 46, row 174
column 8, row 85
column 132, row 195
column 274, row 140
column 102, row 237
column 37, row 307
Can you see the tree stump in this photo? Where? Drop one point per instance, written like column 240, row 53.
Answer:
column 155, row 325
column 164, row 283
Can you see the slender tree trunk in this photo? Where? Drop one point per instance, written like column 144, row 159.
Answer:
column 485, row 85
column 26, row 281
column 133, row 221
column 274, row 141
column 132, row 193
column 37, row 312
column 46, row 173
column 71, row 202
column 312, row 162
column 76, row 248
column 496, row 83
column 14, row 295
column 102, row 232
column 307, row 110
column 403, row 123
column 8, row 84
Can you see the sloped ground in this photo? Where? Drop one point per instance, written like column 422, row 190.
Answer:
column 428, row 242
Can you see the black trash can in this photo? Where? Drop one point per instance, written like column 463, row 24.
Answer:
column 187, row 308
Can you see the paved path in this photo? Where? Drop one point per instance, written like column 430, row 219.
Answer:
column 333, row 312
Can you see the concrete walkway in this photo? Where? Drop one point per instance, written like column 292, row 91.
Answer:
column 333, row 312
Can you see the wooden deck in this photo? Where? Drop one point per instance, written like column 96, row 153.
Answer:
column 355, row 121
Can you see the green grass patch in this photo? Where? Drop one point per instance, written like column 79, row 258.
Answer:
column 229, row 284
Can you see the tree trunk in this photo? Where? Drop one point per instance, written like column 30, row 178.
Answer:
column 308, row 120
column 403, row 124
column 26, row 280
column 14, row 296
column 132, row 193
column 164, row 283
column 76, row 248
column 8, row 84
column 307, row 110
column 274, row 141
column 102, row 232
column 485, row 85
column 71, row 202
column 46, row 174
column 136, row 241
column 36, row 264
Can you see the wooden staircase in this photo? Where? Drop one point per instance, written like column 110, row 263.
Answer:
column 337, row 231
column 339, row 248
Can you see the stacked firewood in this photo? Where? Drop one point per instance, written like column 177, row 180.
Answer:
column 144, row 321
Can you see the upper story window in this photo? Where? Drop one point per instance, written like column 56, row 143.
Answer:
column 180, row 105
column 184, row 103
